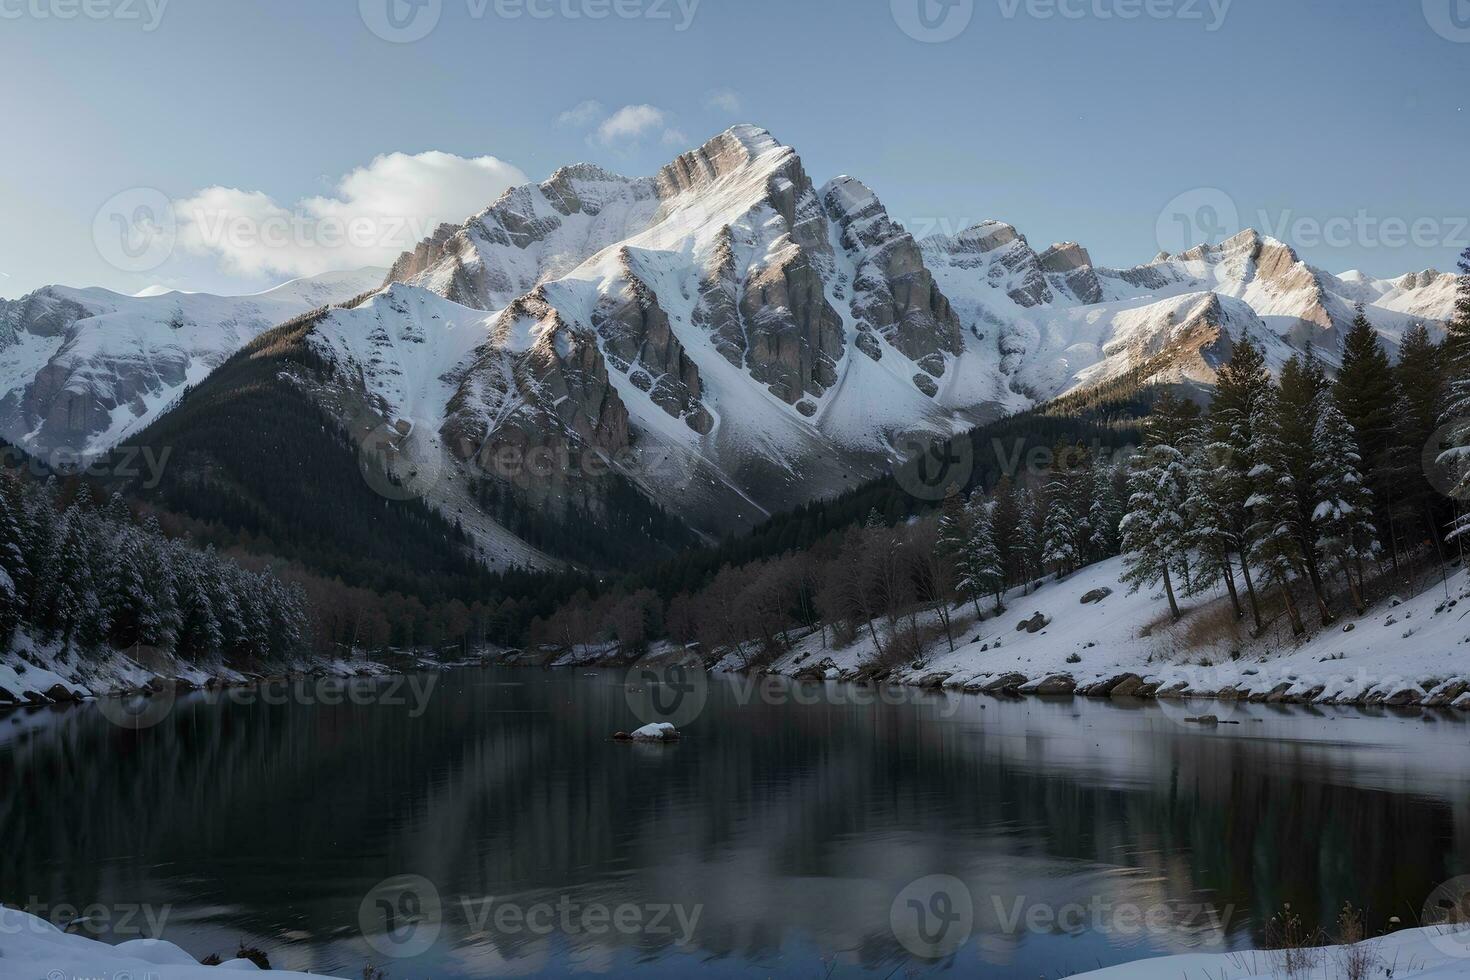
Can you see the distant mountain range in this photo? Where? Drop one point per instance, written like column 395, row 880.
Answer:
column 80, row 369
column 731, row 338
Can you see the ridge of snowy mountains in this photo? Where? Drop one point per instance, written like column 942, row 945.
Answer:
column 81, row 369
column 728, row 336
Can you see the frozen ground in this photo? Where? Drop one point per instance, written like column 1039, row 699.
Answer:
column 1413, row 953
column 33, row 949
column 1413, row 652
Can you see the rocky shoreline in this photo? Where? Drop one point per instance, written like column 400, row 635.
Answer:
column 1120, row 685
column 31, row 680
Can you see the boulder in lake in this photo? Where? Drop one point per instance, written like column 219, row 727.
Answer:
column 1004, row 684
column 1056, row 686
column 657, row 732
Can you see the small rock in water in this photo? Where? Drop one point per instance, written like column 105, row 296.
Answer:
column 1204, row 720
column 657, row 732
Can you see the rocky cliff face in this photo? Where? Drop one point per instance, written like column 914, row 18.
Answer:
column 893, row 292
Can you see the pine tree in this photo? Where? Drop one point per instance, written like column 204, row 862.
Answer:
column 1006, row 520
column 14, row 568
column 1302, row 383
column 1457, row 337
column 1029, row 536
column 159, row 624
column 1420, row 378
column 1343, row 514
column 1240, row 386
column 1275, row 546
column 199, row 627
column 1104, row 513
column 956, row 533
column 1211, row 529
column 1456, row 459
column 1153, row 529
column 125, row 592
column 1367, row 394
column 75, row 609
column 1059, row 527
column 983, row 563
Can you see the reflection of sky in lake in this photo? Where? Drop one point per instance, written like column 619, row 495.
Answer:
column 789, row 828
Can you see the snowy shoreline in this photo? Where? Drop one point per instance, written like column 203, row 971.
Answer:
column 1410, row 654
column 36, row 675
column 33, row 947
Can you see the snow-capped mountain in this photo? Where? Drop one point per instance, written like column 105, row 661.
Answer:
column 740, row 339
column 81, row 368
column 727, row 335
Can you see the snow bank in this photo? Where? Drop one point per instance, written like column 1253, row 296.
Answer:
column 1415, row 652
column 34, row 948
column 1415, row 953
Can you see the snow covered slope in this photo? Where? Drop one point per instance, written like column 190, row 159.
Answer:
column 81, row 368
column 1400, row 653
column 1054, row 322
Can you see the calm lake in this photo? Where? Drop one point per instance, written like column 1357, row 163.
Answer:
column 487, row 826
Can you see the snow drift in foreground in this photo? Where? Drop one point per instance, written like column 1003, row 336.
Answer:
column 1434, row 952
column 33, row 949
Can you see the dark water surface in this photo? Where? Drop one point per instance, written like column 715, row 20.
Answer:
column 783, row 837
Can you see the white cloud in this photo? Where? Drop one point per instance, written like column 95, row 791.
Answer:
column 377, row 212
column 582, row 114
column 630, row 124
column 725, row 100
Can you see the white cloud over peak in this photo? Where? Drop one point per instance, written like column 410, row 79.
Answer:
column 630, row 124
column 582, row 114
column 725, row 100
column 377, row 212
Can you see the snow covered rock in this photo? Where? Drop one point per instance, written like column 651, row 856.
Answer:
column 656, row 732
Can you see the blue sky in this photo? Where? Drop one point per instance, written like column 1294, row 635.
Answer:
column 1064, row 117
